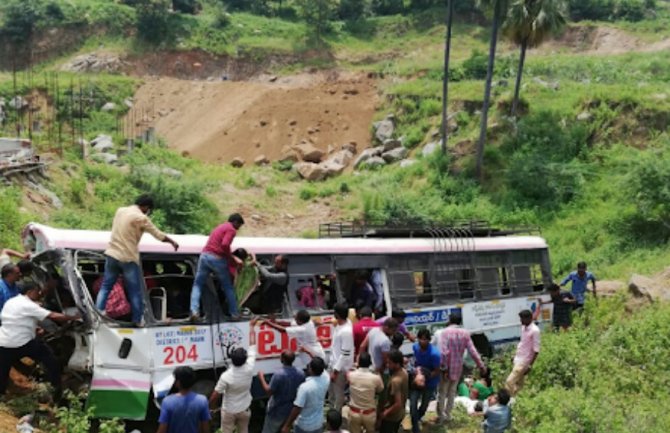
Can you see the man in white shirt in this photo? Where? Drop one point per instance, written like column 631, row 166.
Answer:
column 20, row 317
column 342, row 355
column 235, row 386
column 303, row 330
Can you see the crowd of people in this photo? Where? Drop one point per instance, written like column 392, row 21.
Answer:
column 368, row 385
column 367, row 379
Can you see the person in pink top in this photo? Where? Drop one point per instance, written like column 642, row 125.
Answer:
column 216, row 258
column 453, row 343
column 526, row 352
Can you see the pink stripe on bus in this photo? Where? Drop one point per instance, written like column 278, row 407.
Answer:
column 120, row 383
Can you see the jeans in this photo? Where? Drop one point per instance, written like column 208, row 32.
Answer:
column 273, row 425
column 297, row 429
column 36, row 350
column 416, row 410
column 133, row 284
column 208, row 264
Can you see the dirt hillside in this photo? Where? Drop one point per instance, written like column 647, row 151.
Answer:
column 219, row 121
column 602, row 40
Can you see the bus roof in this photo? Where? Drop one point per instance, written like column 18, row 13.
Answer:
column 54, row 238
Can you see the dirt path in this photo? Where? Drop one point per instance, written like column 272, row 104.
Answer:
column 601, row 40
column 218, row 121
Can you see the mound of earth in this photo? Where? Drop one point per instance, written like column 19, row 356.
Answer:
column 223, row 120
column 603, row 40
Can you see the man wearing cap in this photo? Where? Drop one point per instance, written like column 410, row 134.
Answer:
column 526, row 352
column 122, row 257
column 20, row 317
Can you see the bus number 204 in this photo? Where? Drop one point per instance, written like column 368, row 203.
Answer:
column 179, row 354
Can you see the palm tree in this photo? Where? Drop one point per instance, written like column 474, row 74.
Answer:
column 499, row 9
column 528, row 24
column 445, row 78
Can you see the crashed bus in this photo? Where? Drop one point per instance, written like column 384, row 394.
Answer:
column 486, row 275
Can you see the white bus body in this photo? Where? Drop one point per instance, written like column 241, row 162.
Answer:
column 488, row 279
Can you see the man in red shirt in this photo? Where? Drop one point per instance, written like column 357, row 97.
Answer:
column 216, row 258
column 363, row 326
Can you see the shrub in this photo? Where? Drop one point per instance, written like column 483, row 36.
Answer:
column 387, row 7
column 153, row 21
column 649, row 187
column 307, row 193
column 21, row 18
column 186, row 6
column 474, row 67
column 351, row 9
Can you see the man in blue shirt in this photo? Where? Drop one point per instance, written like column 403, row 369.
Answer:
column 309, row 402
column 186, row 411
column 497, row 416
column 282, row 390
column 580, row 279
column 8, row 289
column 427, row 361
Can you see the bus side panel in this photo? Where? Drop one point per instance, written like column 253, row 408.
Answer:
column 117, row 393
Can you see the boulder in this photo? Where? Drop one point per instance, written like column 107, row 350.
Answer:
column 18, row 102
column 384, row 129
column 102, row 143
column 367, row 154
column 261, row 160
column 332, row 168
column 395, row 155
column 110, row 106
column 341, row 157
column 391, row 144
column 310, row 171
column 308, row 152
column 237, row 162
column 289, row 155
column 128, row 102
column 107, row 158
column 430, row 148
column 652, row 289
column 351, row 147
column 374, row 162
column 407, row 163
column 584, row 116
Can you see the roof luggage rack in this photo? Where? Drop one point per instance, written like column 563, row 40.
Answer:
column 404, row 229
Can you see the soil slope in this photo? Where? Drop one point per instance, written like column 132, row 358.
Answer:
column 219, row 121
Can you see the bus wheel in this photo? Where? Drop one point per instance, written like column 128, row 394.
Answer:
column 482, row 344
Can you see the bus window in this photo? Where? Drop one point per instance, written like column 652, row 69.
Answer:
column 169, row 284
column 422, row 287
column 492, row 282
column 466, row 283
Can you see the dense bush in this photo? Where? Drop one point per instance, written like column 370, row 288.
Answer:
column 606, row 10
column 21, row 18
column 585, row 380
column 545, row 167
column 153, row 21
column 186, row 6
column 351, row 9
column 387, row 7
column 649, row 187
column 475, row 66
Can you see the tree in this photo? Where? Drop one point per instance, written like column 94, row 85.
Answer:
column 317, row 15
column 153, row 20
column 499, row 7
column 445, row 78
column 351, row 9
column 528, row 24
column 387, row 7
column 21, row 18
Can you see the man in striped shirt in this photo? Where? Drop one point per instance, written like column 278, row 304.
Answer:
column 453, row 342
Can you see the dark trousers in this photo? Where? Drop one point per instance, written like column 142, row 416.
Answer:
column 390, row 426
column 36, row 350
column 418, row 404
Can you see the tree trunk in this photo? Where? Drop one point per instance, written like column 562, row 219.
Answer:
column 445, row 78
column 519, row 74
column 487, row 90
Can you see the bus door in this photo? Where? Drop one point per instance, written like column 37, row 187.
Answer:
column 355, row 272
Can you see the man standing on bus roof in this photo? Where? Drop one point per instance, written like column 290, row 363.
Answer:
column 580, row 280
column 342, row 355
column 454, row 341
column 526, row 352
column 123, row 256
column 216, row 258
column 185, row 411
